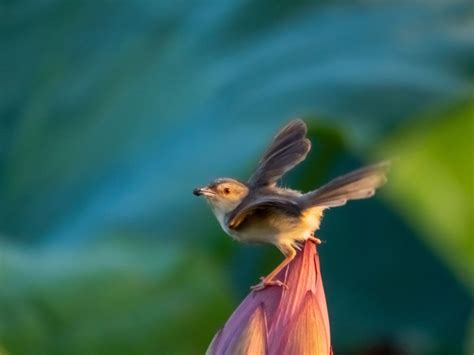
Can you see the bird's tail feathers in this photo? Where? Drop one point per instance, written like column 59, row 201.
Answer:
column 358, row 184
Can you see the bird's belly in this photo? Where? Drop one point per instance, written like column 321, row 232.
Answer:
column 312, row 217
column 279, row 229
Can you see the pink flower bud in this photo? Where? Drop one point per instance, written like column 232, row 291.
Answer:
column 281, row 321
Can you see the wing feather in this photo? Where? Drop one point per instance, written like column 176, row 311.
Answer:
column 359, row 184
column 249, row 207
column 288, row 148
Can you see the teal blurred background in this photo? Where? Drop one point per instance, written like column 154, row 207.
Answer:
column 112, row 111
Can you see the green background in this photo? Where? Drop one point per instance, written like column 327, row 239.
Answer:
column 112, row 111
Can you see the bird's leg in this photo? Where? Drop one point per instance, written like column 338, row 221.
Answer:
column 268, row 280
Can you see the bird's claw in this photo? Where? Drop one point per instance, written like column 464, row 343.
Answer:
column 265, row 283
column 314, row 239
column 298, row 245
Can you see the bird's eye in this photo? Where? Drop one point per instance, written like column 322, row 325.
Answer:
column 226, row 190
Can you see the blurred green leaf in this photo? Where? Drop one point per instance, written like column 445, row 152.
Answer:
column 109, row 300
column 432, row 183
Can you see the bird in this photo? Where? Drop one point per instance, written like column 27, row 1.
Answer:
column 261, row 211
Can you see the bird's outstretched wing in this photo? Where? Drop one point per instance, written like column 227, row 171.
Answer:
column 254, row 204
column 358, row 184
column 289, row 147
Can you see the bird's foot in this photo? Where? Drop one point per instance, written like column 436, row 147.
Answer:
column 265, row 283
column 314, row 239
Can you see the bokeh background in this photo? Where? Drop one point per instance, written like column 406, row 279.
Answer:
column 112, row 111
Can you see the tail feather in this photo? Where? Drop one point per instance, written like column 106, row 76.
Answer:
column 356, row 185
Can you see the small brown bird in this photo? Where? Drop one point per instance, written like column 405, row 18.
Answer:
column 259, row 211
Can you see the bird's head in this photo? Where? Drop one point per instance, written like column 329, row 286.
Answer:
column 223, row 194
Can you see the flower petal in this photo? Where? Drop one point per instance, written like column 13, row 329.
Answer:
column 301, row 278
column 211, row 350
column 268, row 298
column 320, row 296
column 252, row 339
column 307, row 333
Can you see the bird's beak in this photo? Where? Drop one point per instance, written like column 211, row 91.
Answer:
column 203, row 191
